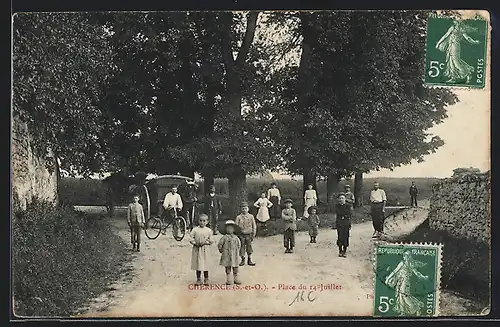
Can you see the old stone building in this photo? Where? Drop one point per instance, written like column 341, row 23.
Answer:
column 32, row 175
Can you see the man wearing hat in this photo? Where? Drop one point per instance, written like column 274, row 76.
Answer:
column 248, row 226
column 213, row 208
column 349, row 196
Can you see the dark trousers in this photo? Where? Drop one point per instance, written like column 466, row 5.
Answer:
column 213, row 218
column 169, row 217
column 413, row 200
column 377, row 217
column 289, row 238
column 190, row 208
column 246, row 244
column 135, row 233
column 343, row 236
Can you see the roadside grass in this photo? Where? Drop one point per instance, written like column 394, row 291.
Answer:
column 61, row 259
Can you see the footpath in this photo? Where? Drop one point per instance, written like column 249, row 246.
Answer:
column 160, row 283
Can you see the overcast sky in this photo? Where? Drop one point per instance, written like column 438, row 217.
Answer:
column 466, row 133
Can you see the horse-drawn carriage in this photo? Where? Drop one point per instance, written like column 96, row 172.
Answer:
column 152, row 194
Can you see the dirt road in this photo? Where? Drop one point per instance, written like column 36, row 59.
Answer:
column 161, row 281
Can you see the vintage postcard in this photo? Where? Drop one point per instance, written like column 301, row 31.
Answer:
column 219, row 164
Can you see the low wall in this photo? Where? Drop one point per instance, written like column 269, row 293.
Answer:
column 461, row 206
column 460, row 218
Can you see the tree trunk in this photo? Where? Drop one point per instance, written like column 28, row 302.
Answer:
column 208, row 179
column 58, row 172
column 237, row 184
column 234, row 67
column 308, row 176
column 332, row 187
column 358, row 188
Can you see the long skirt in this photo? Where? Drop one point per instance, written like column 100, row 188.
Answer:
column 275, row 210
column 343, row 236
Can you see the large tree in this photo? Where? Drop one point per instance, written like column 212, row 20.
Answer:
column 160, row 96
column 241, row 144
column 358, row 99
column 185, row 95
column 61, row 64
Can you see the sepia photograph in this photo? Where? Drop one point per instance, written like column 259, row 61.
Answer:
column 224, row 164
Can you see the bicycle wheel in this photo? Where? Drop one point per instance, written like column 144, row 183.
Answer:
column 153, row 228
column 179, row 227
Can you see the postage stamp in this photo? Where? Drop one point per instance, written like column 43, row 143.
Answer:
column 407, row 280
column 456, row 52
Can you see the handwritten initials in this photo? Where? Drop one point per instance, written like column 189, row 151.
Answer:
column 300, row 297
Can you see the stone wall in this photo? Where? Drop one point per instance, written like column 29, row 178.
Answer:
column 30, row 175
column 460, row 206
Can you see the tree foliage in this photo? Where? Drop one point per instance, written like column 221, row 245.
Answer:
column 362, row 87
column 61, row 63
column 224, row 93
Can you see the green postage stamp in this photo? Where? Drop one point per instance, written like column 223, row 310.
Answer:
column 456, row 52
column 407, row 280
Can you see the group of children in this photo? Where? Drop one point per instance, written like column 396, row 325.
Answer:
column 235, row 246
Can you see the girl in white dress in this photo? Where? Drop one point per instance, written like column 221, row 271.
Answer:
column 201, row 239
column 263, row 204
column 310, row 199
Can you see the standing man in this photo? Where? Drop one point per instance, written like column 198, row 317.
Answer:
column 213, row 208
column 172, row 202
column 378, row 200
column 413, row 194
column 349, row 196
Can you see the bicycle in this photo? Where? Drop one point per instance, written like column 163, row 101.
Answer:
column 156, row 225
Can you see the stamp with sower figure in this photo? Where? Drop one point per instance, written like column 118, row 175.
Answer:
column 407, row 280
column 456, row 52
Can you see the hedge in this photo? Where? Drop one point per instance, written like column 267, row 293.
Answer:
column 61, row 258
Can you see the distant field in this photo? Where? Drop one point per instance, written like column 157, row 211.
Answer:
column 91, row 192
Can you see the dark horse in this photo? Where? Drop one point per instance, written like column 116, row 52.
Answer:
column 190, row 201
column 119, row 185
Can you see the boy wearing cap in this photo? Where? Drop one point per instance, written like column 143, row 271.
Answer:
column 349, row 196
column 248, row 226
column 313, row 222
column 135, row 220
column 213, row 208
column 289, row 215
